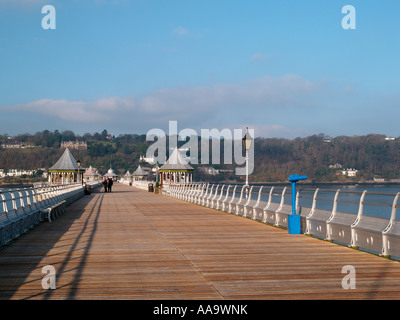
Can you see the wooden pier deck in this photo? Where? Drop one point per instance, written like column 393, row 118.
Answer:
column 132, row 244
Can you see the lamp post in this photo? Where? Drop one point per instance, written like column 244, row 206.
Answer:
column 247, row 140
column 79, row 173
column 157, row 172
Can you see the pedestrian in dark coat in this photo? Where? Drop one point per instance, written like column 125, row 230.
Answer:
column 110, row 183
column 105, row 184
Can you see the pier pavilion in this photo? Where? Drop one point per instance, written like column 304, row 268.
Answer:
column 127, row 175
column 139, row 174
column 176, row 170
column 90, row 175
column 66, row 170
column 111, row 174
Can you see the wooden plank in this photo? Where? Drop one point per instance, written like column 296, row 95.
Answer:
column 132, row 244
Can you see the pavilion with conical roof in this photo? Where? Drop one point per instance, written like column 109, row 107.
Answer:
column 66, row 170
column 176, row 170
column 139, row 174
column 111, row 174
column 127, row 174
column 90, row 175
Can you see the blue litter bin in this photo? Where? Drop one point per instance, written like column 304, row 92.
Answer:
column 294, row 224
column 294, row 219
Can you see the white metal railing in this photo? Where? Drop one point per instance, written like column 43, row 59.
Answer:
column 23, row 208
column 334, row 215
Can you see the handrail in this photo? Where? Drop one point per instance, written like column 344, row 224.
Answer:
column 314, row 204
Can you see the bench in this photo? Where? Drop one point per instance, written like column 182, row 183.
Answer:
column 316, row 219
column 22, row 210
column 270, row 209
column 206, row 200
column 391, row 234
column 198, row 196
column 51, row 207
column 228, row 199
column 240, row 206
column 259, row 209
column 204, row 195
column 187, row 189
column 236, row 204
column 11, row 215
column 338, row 226
column 195, row 190
column 366, row 231
column 250, row 208
column 269, row 213
column 174, row 190
column 222, row 203
column 29, row 207
column 6, row 225
column 217, row 202
column 231, row 203
column 246, row 200
column 282, row 214
column 210, row 202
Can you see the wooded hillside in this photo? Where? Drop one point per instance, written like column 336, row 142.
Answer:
column 275, row 159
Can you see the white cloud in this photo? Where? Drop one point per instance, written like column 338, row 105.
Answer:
column 259, row 57
column 181, row 31
column 267, row 101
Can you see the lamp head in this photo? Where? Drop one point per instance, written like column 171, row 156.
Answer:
column 247, row 140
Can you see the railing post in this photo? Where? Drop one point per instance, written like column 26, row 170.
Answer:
column 216, row 205
column 257, row 203
column 314, row 203
column 268, row 204
column 385, row 246
column 211, row 199
column 334, row 209
column 225, row 199
column 230, row 204
column 241, row 196
column 359, row 214
column 247, row 202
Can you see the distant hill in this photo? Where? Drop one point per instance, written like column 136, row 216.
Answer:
column 321, row 159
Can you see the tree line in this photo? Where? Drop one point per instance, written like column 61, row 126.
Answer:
column 275, row 158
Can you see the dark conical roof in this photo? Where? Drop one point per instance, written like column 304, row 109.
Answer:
column 139, row 172
column 66, row 162
column 176, row 162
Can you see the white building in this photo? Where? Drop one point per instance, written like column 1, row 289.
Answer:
column 20, row 172
column 150, row 160
column 350, row 172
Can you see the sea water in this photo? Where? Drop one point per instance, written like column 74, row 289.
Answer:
column 378, row 199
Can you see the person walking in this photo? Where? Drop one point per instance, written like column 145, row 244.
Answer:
column 105, row 184
column 110, row 183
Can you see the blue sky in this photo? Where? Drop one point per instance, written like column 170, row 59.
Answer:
column 285, row 68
